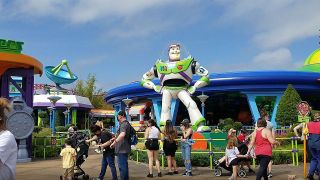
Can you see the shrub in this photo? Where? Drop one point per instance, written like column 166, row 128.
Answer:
column 61, row 129
column 49, row 151
column 42, row 114
column 37, row 129
column 45, row 122
column 43, row 133
column 228, row 123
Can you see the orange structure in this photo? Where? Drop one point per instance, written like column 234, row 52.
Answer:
column 8, row 61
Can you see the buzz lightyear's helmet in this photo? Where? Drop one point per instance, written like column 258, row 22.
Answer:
column 181, row 51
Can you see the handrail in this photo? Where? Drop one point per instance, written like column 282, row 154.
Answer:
column 294, row 148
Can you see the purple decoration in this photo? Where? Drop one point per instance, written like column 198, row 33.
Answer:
column 27, row 90
column 184, row 75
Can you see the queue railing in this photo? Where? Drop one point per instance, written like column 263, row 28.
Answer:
column 294, row 150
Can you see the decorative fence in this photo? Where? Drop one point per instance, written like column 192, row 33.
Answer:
column 44, row 146
column 211, row 153
column 48, row 144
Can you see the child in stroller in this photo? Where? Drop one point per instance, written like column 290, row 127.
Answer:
column 239, row 153
column 82, row 148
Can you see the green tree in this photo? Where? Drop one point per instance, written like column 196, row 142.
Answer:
column 287, row 110
column 88, row 89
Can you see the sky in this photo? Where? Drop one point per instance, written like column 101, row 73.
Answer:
column 118, row 41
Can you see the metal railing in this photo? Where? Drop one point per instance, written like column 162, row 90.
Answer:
column 294, row 150
column 45, row 143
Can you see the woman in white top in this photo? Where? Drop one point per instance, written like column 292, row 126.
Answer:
column 152, row 136
column 8, row 145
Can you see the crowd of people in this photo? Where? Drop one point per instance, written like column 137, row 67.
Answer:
column 262, row 139
column 260, row 146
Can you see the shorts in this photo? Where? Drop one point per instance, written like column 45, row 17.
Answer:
column 68, row 172
column 234, row 162
column 170, row 148
column 152, row 144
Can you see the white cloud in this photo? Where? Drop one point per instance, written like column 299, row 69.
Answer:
column 273, row 59
column 119, row 18
column 85, row 11
column 275, row 23
column 279, row 59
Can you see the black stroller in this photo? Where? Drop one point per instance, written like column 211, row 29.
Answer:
column 82, row 148
column 242, row 147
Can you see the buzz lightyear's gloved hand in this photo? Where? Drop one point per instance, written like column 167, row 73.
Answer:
column 191, row 89
column 157, row 88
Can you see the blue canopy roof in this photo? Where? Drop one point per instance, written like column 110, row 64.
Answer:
column 231, row 81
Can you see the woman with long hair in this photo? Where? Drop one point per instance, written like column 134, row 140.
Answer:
column 8, row 145
column 152, row 135
column 263, row 140
column 170, row 146
column 186, row 143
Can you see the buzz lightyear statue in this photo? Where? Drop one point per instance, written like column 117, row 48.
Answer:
column 175, row 78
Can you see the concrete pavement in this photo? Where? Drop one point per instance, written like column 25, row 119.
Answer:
column 51, row 169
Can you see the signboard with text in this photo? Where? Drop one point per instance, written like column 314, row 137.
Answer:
column 10, row 46
column 304, row 110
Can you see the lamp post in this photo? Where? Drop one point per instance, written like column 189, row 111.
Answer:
column 50, row 116
column 68, row 106
column 203, row 99
column 127, row 101
column 65, row 117
column 53, row 100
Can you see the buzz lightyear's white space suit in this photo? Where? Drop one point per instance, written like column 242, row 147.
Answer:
column 175, row 79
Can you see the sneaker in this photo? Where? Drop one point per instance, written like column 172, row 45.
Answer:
column 150, row 175
column 270, row 175
column 159, row 174
column 230, row 178
column 175, row 172
column 216, row 163
column 188, row 174
column 184, row 174
column 310, row 177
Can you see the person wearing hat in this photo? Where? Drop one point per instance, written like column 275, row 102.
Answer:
column 186, row 143
column 314, row 145
column 8, row 145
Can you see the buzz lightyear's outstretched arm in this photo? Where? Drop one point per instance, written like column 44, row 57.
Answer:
column 203, row 81
column 146, row 80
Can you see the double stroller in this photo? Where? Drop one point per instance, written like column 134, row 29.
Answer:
column 79, row 144
column 242, row 172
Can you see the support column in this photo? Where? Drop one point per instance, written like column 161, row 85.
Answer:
column 74, row 117
column 4, row 85
column 157, row 104
column 117, row 107
column 39, row 118
column 254, row 108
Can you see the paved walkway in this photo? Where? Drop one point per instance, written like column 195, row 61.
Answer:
column 51, row 169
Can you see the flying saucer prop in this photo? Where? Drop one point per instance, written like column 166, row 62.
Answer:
column 59, row 75
column 312, row 63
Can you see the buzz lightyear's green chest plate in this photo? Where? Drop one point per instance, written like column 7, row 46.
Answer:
column 179, row 66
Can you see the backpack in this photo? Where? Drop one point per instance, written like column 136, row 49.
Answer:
column 133, row 137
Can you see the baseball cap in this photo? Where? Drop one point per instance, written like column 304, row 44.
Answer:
column 185, row 121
